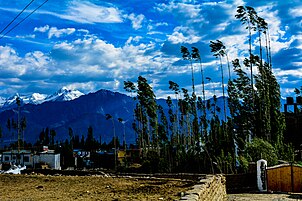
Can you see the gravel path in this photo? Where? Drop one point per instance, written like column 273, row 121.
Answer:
column 264, row 197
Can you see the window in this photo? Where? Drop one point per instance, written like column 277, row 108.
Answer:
column 25, row 159
column 6, row 158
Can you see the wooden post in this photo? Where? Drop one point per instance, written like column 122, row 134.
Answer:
column 292, row 176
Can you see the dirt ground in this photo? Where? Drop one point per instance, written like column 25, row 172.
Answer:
column 264, row 197
column 39, row 187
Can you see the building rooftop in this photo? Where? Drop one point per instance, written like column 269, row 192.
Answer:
column 16, row 152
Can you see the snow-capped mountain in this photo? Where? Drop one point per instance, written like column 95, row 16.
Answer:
column 78, row 114
column 2, row 101
column 35, row 98
column 63, row 94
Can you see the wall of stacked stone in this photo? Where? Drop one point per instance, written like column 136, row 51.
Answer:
column 212, row 187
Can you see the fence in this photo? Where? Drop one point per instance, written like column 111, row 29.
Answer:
column 284, row 178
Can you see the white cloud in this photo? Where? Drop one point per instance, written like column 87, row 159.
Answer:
column 8, row 56
column 54, row 31
column 37, row 59
column 42, row 29
column 63, row 46
column 296, row 12
column 88, row 86
column 161, row 24
column 14, row 66
column 183, row 35
column 94, row 59
column 133, row 39
column 87, row 12
column 186, row 9
column 83, row 31
column 293, row 72
column 221, row 27
column 136, row 20
column 26, row 36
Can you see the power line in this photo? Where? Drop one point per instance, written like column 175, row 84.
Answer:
column 16, row 16
column 23, row 19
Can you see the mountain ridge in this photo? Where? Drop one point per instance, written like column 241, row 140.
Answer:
column 62, row 94
column 80, row 113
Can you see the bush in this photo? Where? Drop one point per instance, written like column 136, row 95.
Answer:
column 243, row 164
column 261, row 149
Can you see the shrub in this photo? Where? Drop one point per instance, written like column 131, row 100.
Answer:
column 261, row 149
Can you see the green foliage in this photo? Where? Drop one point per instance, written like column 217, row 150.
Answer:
column 261, row 149
column 153, row 164
column 285, row 152
column 225, row 163
column 243, row 164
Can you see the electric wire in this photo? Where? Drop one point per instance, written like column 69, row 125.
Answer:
column 16, row 16
column 23, row 19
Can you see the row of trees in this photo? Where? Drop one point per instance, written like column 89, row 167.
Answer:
column 187, row 139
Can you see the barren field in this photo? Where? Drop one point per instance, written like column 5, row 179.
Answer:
column 39, row 187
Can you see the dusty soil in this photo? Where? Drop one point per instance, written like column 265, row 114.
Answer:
column 264, row 197
column 39, row 187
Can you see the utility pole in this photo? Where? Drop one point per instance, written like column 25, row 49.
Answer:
column 18, row 101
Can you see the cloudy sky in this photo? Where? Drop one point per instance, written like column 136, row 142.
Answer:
column 99, row 44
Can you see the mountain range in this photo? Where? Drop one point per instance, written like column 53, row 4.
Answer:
column 63, row 94
column 72, row 109
column 68, row 108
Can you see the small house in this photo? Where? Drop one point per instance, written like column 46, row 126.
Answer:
column 48, row 157
column 22, row 157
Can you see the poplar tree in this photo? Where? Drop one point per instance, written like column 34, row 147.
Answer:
column 247, row 15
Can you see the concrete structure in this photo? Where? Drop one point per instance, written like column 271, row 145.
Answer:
column 81, row 158
column 48, row 157
column 261, row 175
column 23, row 157
column 27, row 158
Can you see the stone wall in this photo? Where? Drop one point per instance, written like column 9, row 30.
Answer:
column 212, row 187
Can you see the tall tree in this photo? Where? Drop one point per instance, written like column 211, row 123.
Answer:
column 120, row 120
column 247, row 15
column 218, row 49
column 18, row 102
column 174, row 115
column 23, row 125
column 109, row 117
column 52, row 134
column 147, row 100
column 240, row 103
column 186, row 55
column 196, row 56
column 71, row 137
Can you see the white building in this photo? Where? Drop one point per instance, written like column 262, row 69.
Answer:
column 48, row 157
column 23, row 157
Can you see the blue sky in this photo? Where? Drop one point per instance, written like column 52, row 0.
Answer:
column 94, row 44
